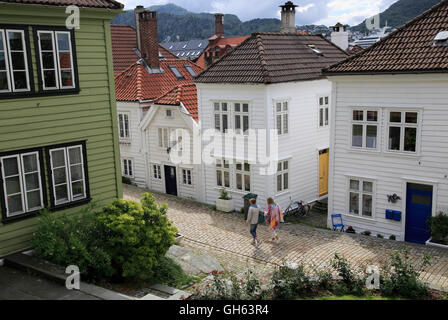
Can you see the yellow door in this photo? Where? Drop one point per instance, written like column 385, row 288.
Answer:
column 323, row 171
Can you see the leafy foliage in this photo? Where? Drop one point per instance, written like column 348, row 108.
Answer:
column 290, row 282
column 170, row 273
column 438, row 227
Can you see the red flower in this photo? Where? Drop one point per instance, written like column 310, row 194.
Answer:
column 214, row 272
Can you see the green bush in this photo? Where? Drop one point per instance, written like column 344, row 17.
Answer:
column 75, row 240
column 138, row 236
column 401, row 277
column 290, row 283
column 353, row 284
column 170, row 273
column 438, row 226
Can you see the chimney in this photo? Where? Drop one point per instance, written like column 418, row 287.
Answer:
column 147, row 38
column 339, row 36
column 219, row 24
column 288, row 24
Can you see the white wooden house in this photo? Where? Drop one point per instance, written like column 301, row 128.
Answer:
column 271, row 81
column 389, row 131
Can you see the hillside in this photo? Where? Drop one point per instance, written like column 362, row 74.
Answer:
column 399, row 13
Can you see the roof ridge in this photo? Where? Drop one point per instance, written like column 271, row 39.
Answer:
column 179, row 94
column 267, row 78
column 390, row 35
column 139, row 80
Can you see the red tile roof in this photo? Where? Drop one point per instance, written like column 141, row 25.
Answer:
column 409, row 49
column 136, row 83
column 106, row 4
column 124, row 43
column 232, row 42
column 187, row 94
column 274, row 58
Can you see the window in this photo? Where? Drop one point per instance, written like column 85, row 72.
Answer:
column 222, row 173
column 221, row 113
column 169, row 113
column 283, row 176
column 14, row 69
column 177, row 72
column 55, row 54
column 323, row 111
column 169, row 138
column 282, row 122
column 156, row 171
column 128, row 169
column 186, row 176
column 68, row 174
column 22, row 184
column 402, row 131
column 360, row 197
column 364, row 128
column 241, row 117
column 242, row 176
column 190, row 70
column 123, row 125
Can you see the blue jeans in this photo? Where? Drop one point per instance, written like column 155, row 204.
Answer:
column 253, row 230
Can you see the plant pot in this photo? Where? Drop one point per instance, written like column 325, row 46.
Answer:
column 225, row 205
column 437, row 245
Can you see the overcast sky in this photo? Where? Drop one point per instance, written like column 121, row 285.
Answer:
column 326, row 12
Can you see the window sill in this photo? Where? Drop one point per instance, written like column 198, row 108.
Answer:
column 125, row 142
column 71, row 204
column 282, row 193
column 235, row 191
column 23, row 216
column 33, row 94
column 348, row 215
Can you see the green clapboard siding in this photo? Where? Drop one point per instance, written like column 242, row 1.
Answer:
column 89, row 115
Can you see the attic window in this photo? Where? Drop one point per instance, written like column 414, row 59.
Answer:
column 184, row 46
column 177, row 73
column 441, row 39
column 199, row 45
column 190, row 70
column 315, row 50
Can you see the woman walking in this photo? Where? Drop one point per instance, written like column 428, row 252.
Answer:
column 273, row 217
column 252, row 219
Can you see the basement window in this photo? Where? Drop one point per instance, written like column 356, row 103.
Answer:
column 441, row 39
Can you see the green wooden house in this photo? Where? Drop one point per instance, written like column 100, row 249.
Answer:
column 58, row 129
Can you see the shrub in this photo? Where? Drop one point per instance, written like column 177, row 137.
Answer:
column 392, row 237
column 290, row 282
column 138, row 236
column 379, row 236
column 366, row 233
column 224, row 195
column 350, row 230
column 353, row 284
column 75, row 240
column 401, row 277
column 324, row 278
column 170, row 273
column 438, row 226
column 126, row 180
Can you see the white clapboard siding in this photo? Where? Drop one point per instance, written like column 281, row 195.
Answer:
column 390, row 172
column 300, row 146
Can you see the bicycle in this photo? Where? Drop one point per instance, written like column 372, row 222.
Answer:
column 297, row 208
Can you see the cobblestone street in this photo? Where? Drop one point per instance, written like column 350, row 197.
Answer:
column 227, row 237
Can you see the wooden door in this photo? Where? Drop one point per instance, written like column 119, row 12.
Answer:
column 323, row 171
column 170, row 180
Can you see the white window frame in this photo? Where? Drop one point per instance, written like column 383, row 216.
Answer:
column 69, row 181
column 122, row 126
column 364, row 123
column 323, row 109
column 282, row 113
column 222, row 166
column 56, row 54
column 156, row 171
column 218, row 111
column 169, row 138
column 361, row 192
column 402, row 125
column 282, row 172
column 240, row 115
column 128, row 167
column 243, row 173
column 8, row 59
column 22, row 180
column 187, row 177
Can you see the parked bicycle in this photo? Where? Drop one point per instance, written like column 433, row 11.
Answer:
column 297, row 209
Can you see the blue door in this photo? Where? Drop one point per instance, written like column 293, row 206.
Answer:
column 418, row 210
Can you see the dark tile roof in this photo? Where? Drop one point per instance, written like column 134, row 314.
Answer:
column 191, row 49
column 106, row 4
column 409, row 49
column 274, row 58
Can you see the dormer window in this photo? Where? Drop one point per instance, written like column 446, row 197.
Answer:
column 441, row 39
column 190, row 70
column 315, row 50
column 177, row 72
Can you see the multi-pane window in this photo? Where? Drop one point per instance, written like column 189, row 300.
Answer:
column 221, row 113
column 68, row 174
column 156, row 171
column 361, row 197
column 123, row 125
column 324, row 104
column 242, row 176
column 128, row 169
column 281, row 120
column 241, row 115
column 364, row 128
column 22, row 185
column 56, row 60
column 282, row 175
column 222, row 173
column 402, row 131
column 186, row 177
column 14, row 69
column 169, row 138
